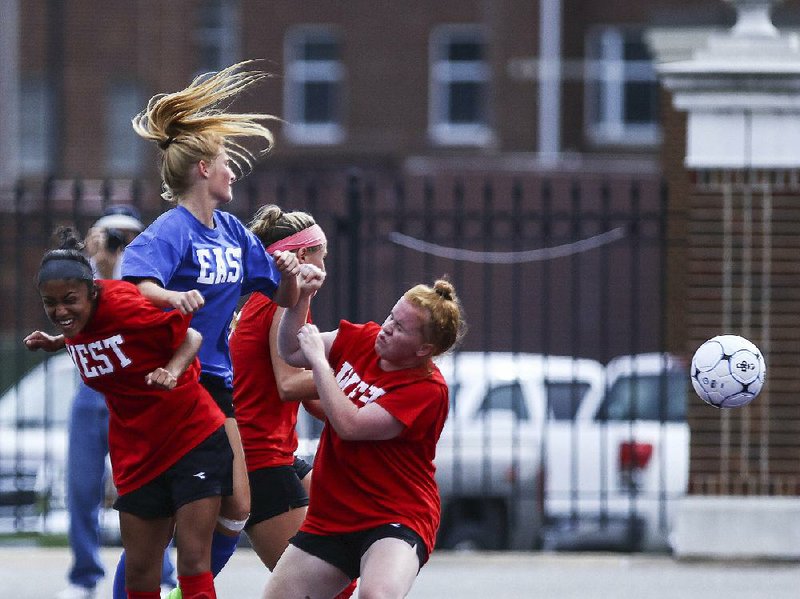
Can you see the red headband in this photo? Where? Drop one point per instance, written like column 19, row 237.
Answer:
column 307, row 238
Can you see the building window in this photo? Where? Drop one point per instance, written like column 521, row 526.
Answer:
column 621, row 88
column 124, row 148
column 36, row 136
column 459, row 85
column 314, row 86
column 217, row 34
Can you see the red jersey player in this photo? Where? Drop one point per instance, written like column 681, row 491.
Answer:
column 267, row 393
column 170, row 456
column 374, row 507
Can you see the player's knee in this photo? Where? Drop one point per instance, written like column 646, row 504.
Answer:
column 236, row 508
column 234, row 525
column 140, row 573
column 191, row 561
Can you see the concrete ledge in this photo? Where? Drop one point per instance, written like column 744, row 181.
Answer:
column 719, row 527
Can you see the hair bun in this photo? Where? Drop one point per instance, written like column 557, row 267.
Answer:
column 68, row 239
column 444, row 289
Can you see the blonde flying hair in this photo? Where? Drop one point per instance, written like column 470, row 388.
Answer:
column 445, row 326
column 193, row 124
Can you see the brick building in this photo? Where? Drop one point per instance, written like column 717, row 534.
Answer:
column 523, row 85
column 562, row 88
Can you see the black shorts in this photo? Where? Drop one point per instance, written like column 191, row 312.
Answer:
column 205, row 471
column 219, row 391
column 276, row 490
column 345, row 551
column 301, row 467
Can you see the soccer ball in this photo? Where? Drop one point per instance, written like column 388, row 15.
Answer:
column 728, row 371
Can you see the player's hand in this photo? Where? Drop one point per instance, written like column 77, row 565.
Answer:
column 187, row 302
column 95, row 241
column 161, row 378
column 311, row 279
column 41, row 340
column 287, row 262
column 312, row 345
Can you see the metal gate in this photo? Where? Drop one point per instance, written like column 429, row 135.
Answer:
column 567, row 424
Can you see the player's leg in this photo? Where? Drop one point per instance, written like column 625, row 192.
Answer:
column 303, row 471
column 279, row 499
column 196, row 521
column 299, row 575
column 235, row 508
column 269, row 538
column 197, row 483
column 391, row 563
column 388, row 569
column 144, row 540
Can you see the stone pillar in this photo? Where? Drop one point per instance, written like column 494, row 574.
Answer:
column 735, row 226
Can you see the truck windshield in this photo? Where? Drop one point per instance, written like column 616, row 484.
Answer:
column 647, row 397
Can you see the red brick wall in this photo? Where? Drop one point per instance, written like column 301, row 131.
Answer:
column 755, row 449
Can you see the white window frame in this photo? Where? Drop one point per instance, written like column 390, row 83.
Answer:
column 298, row 72
column 609, row 72
column 443, row 73
column 224, row 36
column 36, row 134
column 124, row 149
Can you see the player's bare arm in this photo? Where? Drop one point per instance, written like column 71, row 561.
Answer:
column 167, row 376
column 43, row 341
column 310, row 280
column 294, row 384
column 314, row 407
column 186, row 302
column 367, row 423
column 287, row 293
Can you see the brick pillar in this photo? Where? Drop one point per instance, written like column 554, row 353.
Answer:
column 732, row 157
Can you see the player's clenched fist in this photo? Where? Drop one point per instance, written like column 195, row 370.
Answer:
column 187, row 302
column 287, row 262
column 161, row 378
column 311, row 278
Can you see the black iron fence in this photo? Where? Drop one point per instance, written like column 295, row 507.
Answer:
column 563, row 282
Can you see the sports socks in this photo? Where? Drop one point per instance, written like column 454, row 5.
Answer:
column 118, row 591
column 222, row 548
column 118, row 588
column 348, row 591
column 199, row 586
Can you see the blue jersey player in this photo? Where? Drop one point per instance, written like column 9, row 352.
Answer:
column 198, row 259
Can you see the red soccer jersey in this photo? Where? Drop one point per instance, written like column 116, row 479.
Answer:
column 266, row 423
column 363, row 484
column 149, row 429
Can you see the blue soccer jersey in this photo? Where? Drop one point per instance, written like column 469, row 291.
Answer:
column 222, row 263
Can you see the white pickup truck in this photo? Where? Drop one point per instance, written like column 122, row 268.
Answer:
column 537, row 450
column 599, row 471
column 615, row 470
column 489, row 460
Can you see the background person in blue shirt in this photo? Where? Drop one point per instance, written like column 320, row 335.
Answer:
column 198, row 259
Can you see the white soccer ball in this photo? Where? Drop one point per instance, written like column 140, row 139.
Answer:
column 728, row 371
